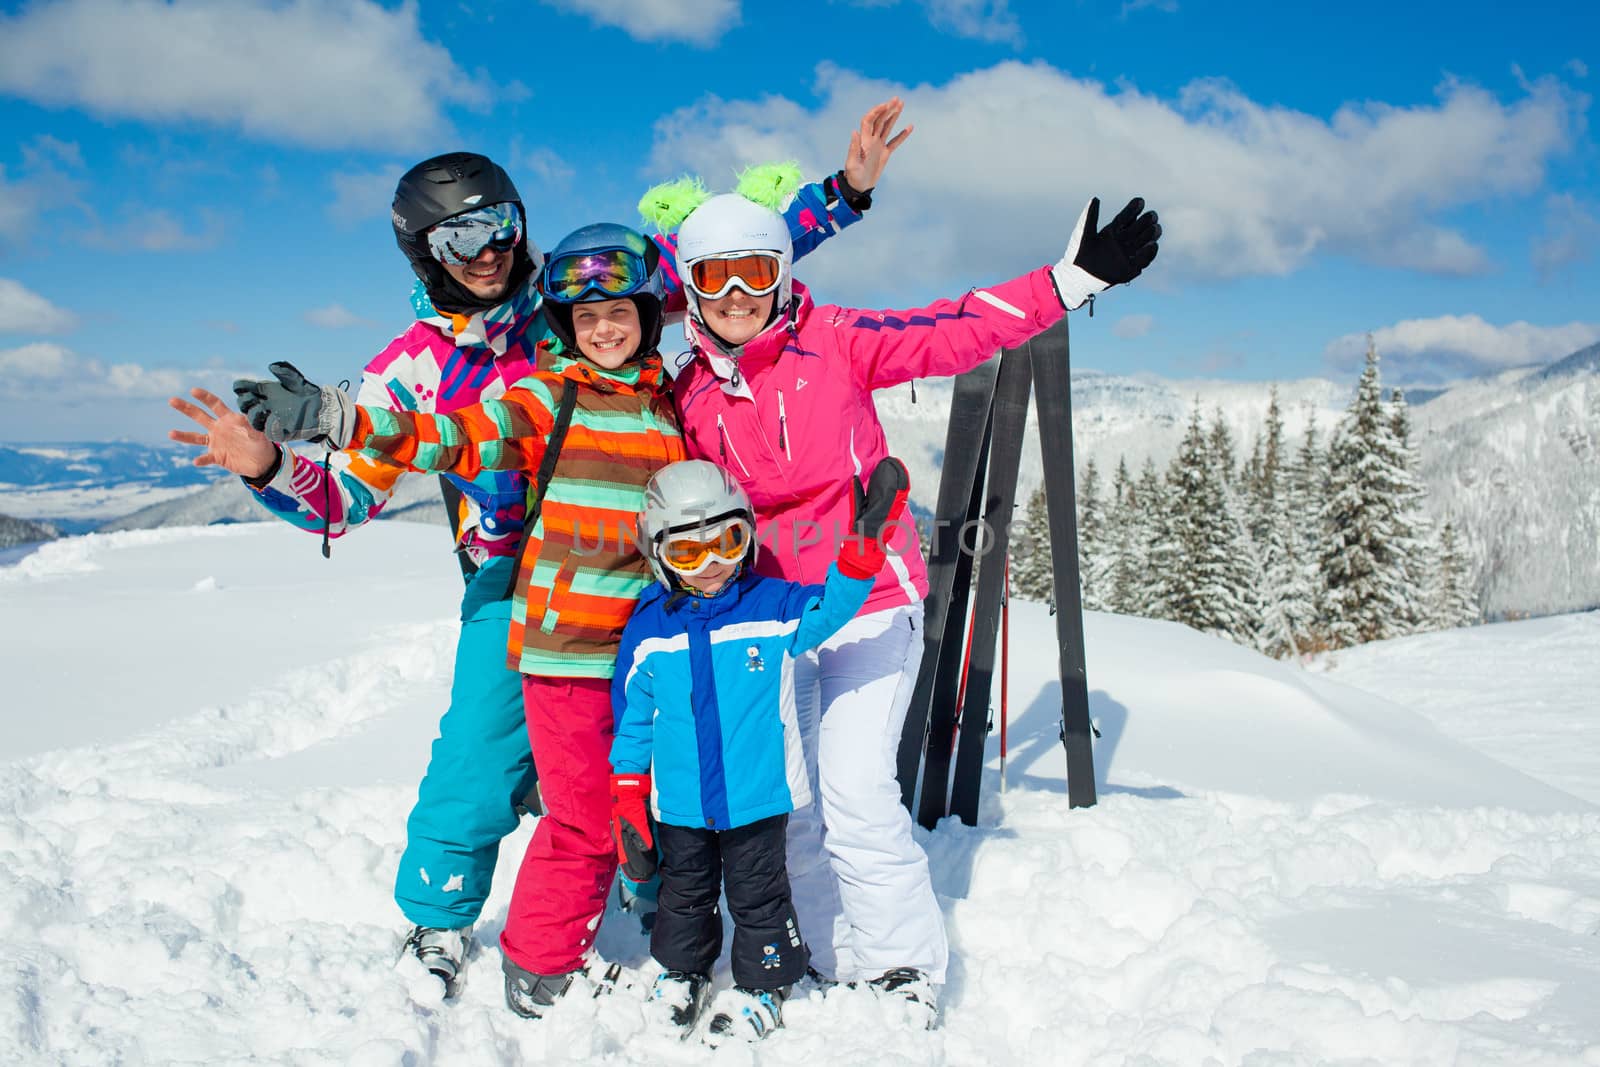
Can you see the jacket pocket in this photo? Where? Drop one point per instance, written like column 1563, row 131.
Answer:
column 560, row 593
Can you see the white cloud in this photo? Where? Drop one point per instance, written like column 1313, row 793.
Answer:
column 981, row 20
column 159, row 230
column 700, row 22
column 336, row 317
column 1131, row 326
column 24, row 311
column 38, row 362
column 1571, row 234
column 363, row 195
column 1461, row 344
column 50, row 371
column 1578, row 68
column 318, row 72
column 1131, row 6
column 1004, row 158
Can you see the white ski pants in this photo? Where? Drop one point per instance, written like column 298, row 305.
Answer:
column 860, row 872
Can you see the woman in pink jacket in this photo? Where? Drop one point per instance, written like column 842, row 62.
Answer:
column 778, row 391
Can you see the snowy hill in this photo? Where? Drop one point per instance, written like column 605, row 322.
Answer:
column 76, row 486
column 200, row 833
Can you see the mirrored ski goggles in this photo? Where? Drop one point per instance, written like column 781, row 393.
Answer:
column 605, row 272
column 689, row 553
column 459, row 240
column 757, row 273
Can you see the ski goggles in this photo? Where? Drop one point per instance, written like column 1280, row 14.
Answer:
column 461, row 239
column 757, row 273
column 602, row 272
column 691, row 552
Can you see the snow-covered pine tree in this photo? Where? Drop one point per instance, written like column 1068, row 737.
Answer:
column 1285, row 597
column 1308, row 493
column 1201, row 587
column 1152, row 533
column 1031, row 574
column 1367, row 598
column 1220, row 443
column 1124, row 543
column 1415, row 551
column 1091, row 541
column 1453, row 602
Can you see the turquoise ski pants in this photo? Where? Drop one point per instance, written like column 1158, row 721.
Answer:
column 479, row 770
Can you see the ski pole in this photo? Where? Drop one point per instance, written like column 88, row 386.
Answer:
column 961, row 690
column 1005, row 662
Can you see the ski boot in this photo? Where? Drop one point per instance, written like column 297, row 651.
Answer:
column 741, row 1014
column 681, row 996
column 911, row 986
column 531, row 995
column 442, row 952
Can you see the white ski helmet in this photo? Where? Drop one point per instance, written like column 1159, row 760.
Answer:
column 691, row 494
column 731, row 223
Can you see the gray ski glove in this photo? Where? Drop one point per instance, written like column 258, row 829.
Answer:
column 293, row 409
column 1098, row 259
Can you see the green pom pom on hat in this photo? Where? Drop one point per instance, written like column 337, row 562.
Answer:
column 666, row 205
column 770, row 184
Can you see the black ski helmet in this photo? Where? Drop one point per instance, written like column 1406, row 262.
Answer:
column 443, row 187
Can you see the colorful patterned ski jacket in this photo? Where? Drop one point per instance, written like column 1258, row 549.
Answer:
column 704, row 695
column 581, row 572
column 793, row 419
column 444, row 363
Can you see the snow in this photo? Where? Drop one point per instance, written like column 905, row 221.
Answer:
column 213, row 738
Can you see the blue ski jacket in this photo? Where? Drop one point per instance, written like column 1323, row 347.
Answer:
column 704, row 690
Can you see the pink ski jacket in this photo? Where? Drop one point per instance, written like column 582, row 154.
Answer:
column 792, row 418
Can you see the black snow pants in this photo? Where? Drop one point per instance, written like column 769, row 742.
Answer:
column 747, row 863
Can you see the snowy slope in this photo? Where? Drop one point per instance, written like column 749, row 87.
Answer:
column 213, row 737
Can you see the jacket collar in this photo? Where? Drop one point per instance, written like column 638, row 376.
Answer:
column 492, row 327
column 642, row 375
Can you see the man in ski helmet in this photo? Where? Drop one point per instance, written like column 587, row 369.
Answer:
column 460, row 350
column 709, row 654
column 756, row 340
column 596, row 422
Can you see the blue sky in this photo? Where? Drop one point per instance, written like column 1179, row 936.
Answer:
column 190, row 190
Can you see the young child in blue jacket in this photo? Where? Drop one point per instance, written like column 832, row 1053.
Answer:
column 707, row 739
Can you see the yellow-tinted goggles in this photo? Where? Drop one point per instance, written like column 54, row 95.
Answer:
column 691, row 552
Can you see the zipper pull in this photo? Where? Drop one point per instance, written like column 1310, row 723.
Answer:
column 783, row 425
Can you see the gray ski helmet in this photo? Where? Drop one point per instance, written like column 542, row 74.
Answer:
column 688, row 495
column 443, row 187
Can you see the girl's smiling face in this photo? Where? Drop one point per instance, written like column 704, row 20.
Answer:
column 607, row 331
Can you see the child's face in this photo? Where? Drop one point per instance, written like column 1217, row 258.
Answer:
column 710, row 580
column 607, row 331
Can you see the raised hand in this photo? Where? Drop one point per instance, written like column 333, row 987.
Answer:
column 871, row 145
column 1096, row 259
column 294, row 409
column 875, row 506
column 229, row 440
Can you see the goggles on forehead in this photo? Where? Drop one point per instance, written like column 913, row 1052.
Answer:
column 461, row 239
column 757, row 273
column 692, row 551
column 604, row 272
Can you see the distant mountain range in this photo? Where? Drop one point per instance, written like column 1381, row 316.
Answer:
column 1513, row 458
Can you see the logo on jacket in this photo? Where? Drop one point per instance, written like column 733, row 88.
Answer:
column 770, row 958
column 755, row 663
column 800, row 383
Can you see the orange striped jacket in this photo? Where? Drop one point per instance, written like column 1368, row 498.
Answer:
column 581, row 570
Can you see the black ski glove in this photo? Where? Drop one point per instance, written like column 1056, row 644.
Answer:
column 876, row 505
column 1097, row 259
column 293, row 409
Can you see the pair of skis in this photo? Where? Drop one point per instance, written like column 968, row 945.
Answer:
column 977, row 495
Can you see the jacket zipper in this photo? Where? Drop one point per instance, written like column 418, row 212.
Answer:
column 783, row 426
column 722, row 433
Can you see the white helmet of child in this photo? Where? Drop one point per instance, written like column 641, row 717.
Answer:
column 688, row 496
column 731, row 223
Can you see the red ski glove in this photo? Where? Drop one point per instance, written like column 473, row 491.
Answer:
column 630, row 825
column 874, row 508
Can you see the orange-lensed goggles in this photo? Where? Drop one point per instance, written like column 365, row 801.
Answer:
column 757, row 273
column 689, row 554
